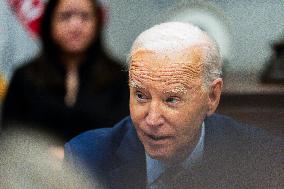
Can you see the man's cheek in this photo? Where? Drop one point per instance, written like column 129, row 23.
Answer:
column 132, row 103
column 136, row 111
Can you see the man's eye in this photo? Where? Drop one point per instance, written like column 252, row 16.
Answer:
column 172, row 100
column 141, row 97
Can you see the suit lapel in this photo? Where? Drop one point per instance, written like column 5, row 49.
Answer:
column 130, row 170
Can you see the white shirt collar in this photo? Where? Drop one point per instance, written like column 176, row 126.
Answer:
column 155, row 167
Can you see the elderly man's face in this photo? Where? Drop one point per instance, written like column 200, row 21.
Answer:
column 167, row 101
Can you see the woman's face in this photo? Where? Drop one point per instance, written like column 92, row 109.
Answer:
column 73, row 25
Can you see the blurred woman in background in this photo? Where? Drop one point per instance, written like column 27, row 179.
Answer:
column 72, row 86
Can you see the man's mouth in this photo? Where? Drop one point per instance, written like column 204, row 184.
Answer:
column 158, row 138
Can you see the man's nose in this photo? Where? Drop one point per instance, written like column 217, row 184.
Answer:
column 154, row 115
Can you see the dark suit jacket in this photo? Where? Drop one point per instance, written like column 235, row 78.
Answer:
column 235, row 156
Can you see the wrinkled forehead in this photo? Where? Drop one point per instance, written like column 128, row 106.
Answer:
column 184, row 68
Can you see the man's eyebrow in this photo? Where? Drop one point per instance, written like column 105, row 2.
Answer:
column 177, row 90
column 135, row 84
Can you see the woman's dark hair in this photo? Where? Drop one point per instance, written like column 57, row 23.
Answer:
column 48, row 44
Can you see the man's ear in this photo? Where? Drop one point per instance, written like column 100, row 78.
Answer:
column 215, row 91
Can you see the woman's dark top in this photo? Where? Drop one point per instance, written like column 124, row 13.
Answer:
column 35, row 97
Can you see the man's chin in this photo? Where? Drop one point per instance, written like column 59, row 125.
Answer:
column 167, row 156
column 161, row 155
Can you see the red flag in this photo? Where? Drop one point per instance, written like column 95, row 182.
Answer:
column 29, row 12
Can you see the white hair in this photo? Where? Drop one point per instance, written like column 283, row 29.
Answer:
column 176, row 37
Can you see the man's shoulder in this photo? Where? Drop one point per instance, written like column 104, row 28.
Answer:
column 223, row 121
column 97, row 135
column 249, row 153
column 226, row 133
column 227, row 128
column 224, row 125
column 100, row 140
column 229, row 136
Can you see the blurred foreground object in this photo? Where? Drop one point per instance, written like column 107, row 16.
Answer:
column 27, row 162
